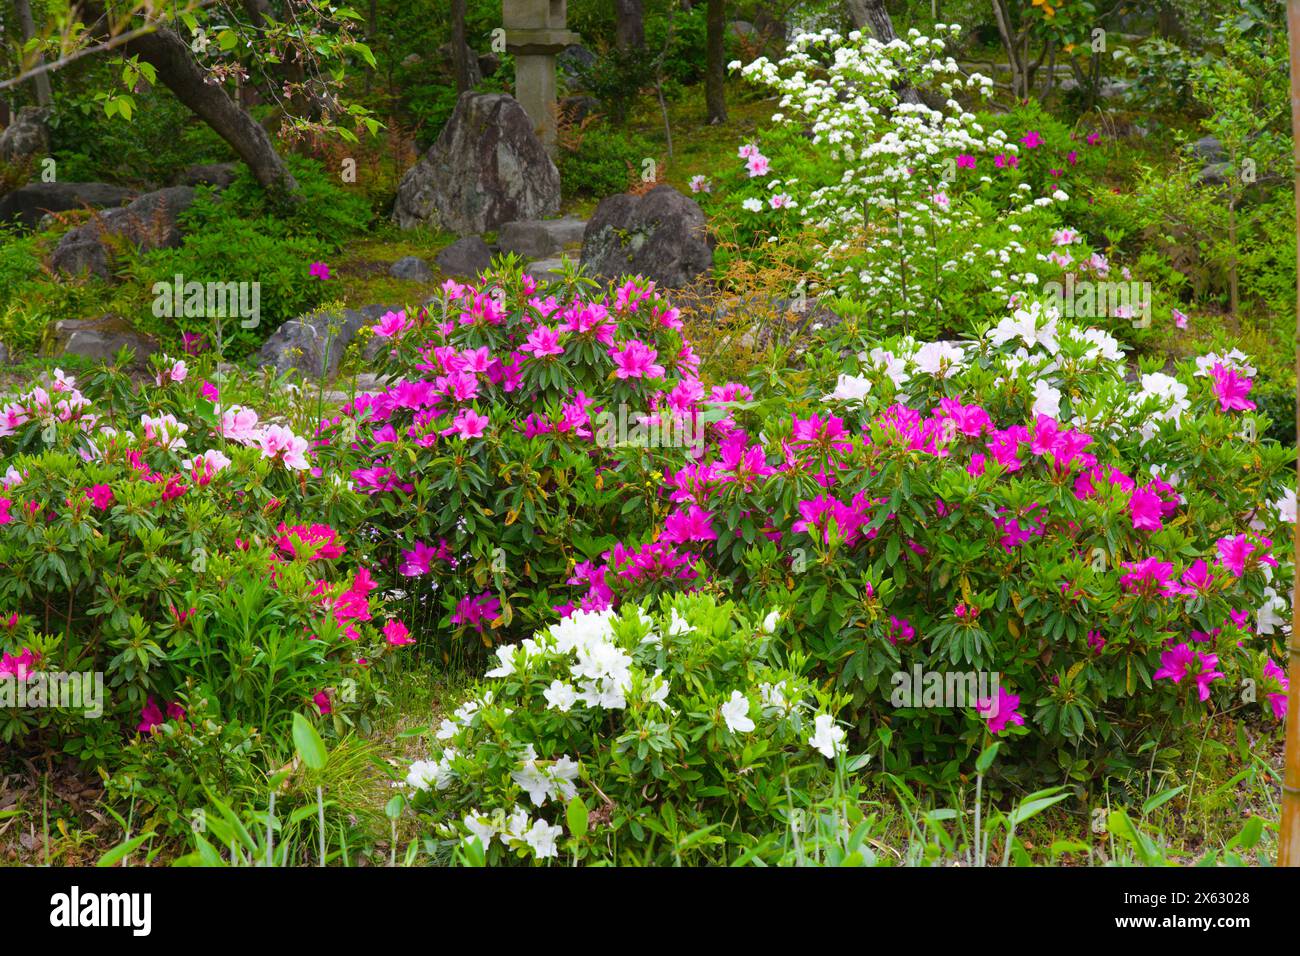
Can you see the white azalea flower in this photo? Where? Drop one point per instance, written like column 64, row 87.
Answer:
column 735, row 713
column 827, row 738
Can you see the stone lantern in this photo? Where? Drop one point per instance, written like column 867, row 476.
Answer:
column 535, row 35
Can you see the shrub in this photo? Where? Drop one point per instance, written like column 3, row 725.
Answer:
column 486, row 456
column 325, row 212
column 175, row 549
column 223, row 248
column 923, row 215
column 599, row 161
column 1010, row 507
column 683, row 736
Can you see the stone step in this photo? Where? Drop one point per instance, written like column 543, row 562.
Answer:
column 540, row 238
column 547, row 270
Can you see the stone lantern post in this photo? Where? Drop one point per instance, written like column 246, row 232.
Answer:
column 535, row 35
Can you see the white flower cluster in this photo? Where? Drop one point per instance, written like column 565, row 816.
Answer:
column 594, row 661
column 881, row 223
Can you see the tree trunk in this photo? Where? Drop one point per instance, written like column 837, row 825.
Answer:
column 41, row 81
column 460, row 51
column 1289, row 840
column 1010, row 43
column 715, row 71
column 629, row 26
column 872, row 15
column 170, row 56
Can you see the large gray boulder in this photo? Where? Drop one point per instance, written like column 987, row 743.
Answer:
column 100, row 339
column 411, row 268
column 1209, row 149
column 661, row 235
column 486, row 168
column 150, row 222
column 540, row 238
column 27, row 205
column 315, row 343
column 467, row 258
column 27, row 137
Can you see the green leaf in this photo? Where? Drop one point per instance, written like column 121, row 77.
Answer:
column 1035, row 804
column 308, row 743
column 1249, row 835
column 123, row 849
column 987, row 756
column 576, row 815
column 1161, row 798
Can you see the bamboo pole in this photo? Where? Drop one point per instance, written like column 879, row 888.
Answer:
column 1289, row 840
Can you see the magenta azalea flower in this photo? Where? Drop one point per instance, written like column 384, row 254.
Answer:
column 1032, row 140
column 636, row 360
column 1235, row 552
column 1198, row 577
column 542, row 342
column 419, row 561
column 1182, row 661
column 1002, row 712
column 396, row 634
column 1231, row 389
column 1149, row 577
column 391, row 325
column 900, row 628
column 101, row 496
column 20, row 666
column 1145, row 509
column 476, row 611
column 692, row 524
column 319, row 270
column 1276, row 699
column 150, row 717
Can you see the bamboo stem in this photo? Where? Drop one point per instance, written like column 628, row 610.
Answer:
column 1289, row 839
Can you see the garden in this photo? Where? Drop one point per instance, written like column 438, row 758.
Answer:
column 648, row 433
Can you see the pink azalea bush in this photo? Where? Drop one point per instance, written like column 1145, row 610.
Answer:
column 1009, row 505
column 183, row 550
column 488, row 459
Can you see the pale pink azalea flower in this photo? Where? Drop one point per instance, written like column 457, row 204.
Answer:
column 239, row 424
column 277, row 441
column 177, row 373
column 165, row 430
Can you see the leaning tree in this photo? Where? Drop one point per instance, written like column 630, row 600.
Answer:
column 218, row 59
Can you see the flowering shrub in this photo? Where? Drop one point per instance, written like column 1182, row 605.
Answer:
column 1011, row 506
column 923, row 217
column 487, row 458
column 681, row 736
column 154, row 539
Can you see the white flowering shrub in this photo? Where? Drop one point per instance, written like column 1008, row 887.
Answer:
column 920, row 214
column 684, row 735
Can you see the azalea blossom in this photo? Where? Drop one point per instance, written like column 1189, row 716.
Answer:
column 735, row 714
column 827, row 737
